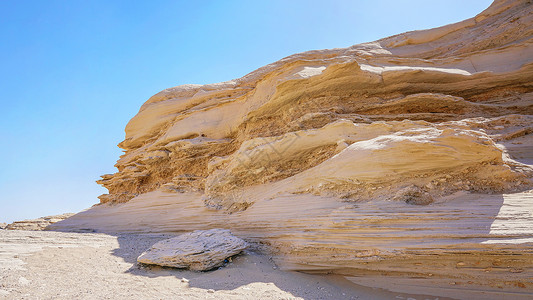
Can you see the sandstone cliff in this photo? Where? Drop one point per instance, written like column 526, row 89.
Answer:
column 323, row 154
column 296, row 114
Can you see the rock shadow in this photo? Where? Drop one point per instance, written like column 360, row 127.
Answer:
column 249, row 270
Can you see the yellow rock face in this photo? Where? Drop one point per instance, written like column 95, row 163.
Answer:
column 322, row 154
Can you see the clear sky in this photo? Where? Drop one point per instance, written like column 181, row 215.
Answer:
column 74, row 72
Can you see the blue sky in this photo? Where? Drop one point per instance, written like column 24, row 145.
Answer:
column 74, row 72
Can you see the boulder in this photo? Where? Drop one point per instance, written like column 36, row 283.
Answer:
column 3, row 225
column 200, row 250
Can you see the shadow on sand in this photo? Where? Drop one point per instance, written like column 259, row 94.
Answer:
column 247, row 270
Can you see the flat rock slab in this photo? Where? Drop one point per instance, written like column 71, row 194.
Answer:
column 200, row 250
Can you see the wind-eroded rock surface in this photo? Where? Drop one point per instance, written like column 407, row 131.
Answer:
column 377, row 158
column 462, row 87
column 37, row 224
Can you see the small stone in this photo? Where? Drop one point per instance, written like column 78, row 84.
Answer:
column 23, row 281
column 211, row 291
column 413, row 195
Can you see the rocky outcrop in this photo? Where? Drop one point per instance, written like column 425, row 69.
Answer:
column 3, row 225
column 200, row 250
column 37, row 224
column 299, row 112
column 369, row 160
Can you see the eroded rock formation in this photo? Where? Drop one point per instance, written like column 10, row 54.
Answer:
column 296, row 114
column 37, row 224
column 324, row 153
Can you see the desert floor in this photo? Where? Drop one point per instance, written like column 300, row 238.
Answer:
column 57, row 265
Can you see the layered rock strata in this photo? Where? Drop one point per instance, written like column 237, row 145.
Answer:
column 37, row 224
column 376, row 158
column 295, row 114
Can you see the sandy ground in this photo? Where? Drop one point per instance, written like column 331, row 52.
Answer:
column 56, row 265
